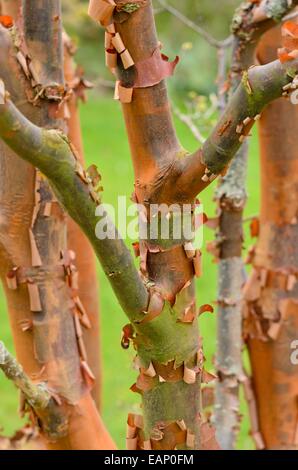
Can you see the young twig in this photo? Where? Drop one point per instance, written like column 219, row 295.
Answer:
column 198, row 29
column 188, row 121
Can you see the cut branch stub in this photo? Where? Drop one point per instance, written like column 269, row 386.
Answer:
column 38, row 397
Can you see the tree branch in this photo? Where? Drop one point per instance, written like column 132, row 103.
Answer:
column 37, row 396
column 195, row 27
column 188, row 121
column 250, row 22
column 50, row 151
column 259, row 86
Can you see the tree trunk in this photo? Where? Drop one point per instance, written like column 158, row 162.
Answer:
column 36, row 268
column 85, row 260
column 172, row 346
column 271, row 316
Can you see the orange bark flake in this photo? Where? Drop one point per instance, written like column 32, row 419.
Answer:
column 254, row 227
column 206, row 308
column 224, row 127
column 6, row 21
column 290, row 35
column 289, row 42
column 284, row 55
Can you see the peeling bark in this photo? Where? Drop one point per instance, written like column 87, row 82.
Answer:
column 35, row 265
column 164, row 340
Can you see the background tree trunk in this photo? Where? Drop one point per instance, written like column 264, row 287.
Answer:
column 88, row 290
column 249, row 24
column 271, row 317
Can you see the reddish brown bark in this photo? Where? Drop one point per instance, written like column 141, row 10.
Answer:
column 39, row 299
column 271, row 322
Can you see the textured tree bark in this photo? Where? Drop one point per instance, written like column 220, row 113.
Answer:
column 36, row 269
column 88, row 290
column 271, row 316
column 231, row 197
column 155, row 149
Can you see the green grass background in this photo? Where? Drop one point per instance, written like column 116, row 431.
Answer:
column 106, row 145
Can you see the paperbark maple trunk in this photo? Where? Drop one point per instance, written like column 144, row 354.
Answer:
column 271, row 317
column 174, row 345
column 77, row 241
column 37, row 271
column 155, row 152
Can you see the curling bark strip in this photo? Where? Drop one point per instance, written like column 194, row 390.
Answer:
column 147, row 72
column 41, row 257
column 250, row 22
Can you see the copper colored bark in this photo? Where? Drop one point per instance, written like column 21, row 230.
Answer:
column 35, row 265
column 162, row 175
column 271, row 320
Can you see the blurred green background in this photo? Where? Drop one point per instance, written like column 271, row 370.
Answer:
column 106, row 145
